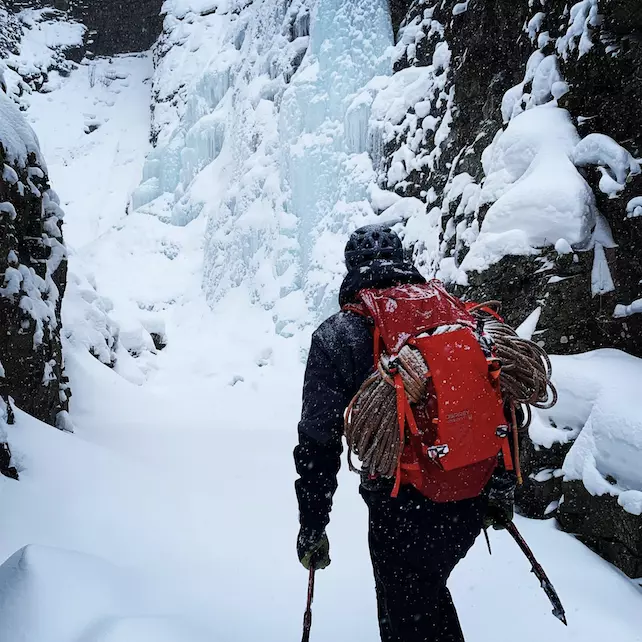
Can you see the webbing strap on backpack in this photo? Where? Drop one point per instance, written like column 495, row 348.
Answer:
column 401, row 418
column 404, row 416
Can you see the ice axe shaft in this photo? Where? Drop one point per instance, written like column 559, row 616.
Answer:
column 549, row 589
column 490, row 550
column 307, row 618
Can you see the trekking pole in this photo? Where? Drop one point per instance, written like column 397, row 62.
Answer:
column 307, row 618
column 549, row 589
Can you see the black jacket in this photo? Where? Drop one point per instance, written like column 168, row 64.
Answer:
column 340, row 359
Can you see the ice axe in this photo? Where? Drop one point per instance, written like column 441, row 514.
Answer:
column 307, row 617
column 536, row 568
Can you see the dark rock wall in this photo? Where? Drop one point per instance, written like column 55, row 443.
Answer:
column 490, row 46
column 6, row 461
column 603, row 526
column 33, row 268
column 606, row 90
column 114, row 26
column 33, row 264
column 119, row 26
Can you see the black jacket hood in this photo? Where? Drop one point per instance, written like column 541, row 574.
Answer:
column 377, row 274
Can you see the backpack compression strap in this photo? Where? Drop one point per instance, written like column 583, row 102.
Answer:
column 404, row 411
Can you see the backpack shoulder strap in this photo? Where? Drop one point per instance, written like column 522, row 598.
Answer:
column 357, row 308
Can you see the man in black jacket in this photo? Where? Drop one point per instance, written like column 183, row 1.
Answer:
column 414, row 542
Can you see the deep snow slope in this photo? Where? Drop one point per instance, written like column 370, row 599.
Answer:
column 163, row 527
column 170, row 513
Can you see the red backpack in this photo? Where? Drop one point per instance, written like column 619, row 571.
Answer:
column 452, row 440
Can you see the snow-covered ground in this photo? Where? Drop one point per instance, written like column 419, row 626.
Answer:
column 170, row 513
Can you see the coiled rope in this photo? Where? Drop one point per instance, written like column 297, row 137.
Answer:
column 371, row 426
column 526, row 368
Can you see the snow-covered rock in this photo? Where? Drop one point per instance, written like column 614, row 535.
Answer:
column 529, row 170
column 518, row 144
column 7, row 465
column 38, row 48
column 33, row 267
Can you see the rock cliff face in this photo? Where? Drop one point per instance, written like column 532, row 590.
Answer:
column 118, row 26
column 113, row 26
column 9, row 30
column 490, row 45
column 499, row 207
column 33, row 266
column 33, row 262
column 36, row 44
column 38, row 38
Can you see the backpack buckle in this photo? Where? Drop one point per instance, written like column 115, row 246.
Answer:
column 437, row 452
column 393, row 365
column 502, row 431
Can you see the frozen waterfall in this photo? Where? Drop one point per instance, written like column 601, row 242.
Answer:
column 326, row 167
column 258, row 130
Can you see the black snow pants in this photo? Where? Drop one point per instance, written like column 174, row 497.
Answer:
column 415, row 544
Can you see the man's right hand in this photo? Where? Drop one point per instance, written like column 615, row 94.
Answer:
column 313, row 549
column 501, row 500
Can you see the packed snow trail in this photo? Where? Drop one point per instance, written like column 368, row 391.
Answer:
column 170, row 514
column 197, row 521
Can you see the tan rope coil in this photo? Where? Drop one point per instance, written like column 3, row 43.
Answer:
column 526, row 368
column 371, row 426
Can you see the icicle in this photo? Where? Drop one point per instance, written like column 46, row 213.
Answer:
column 601, row 281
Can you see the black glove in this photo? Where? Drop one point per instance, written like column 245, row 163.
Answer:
column 313, row 549
column 501, row 500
